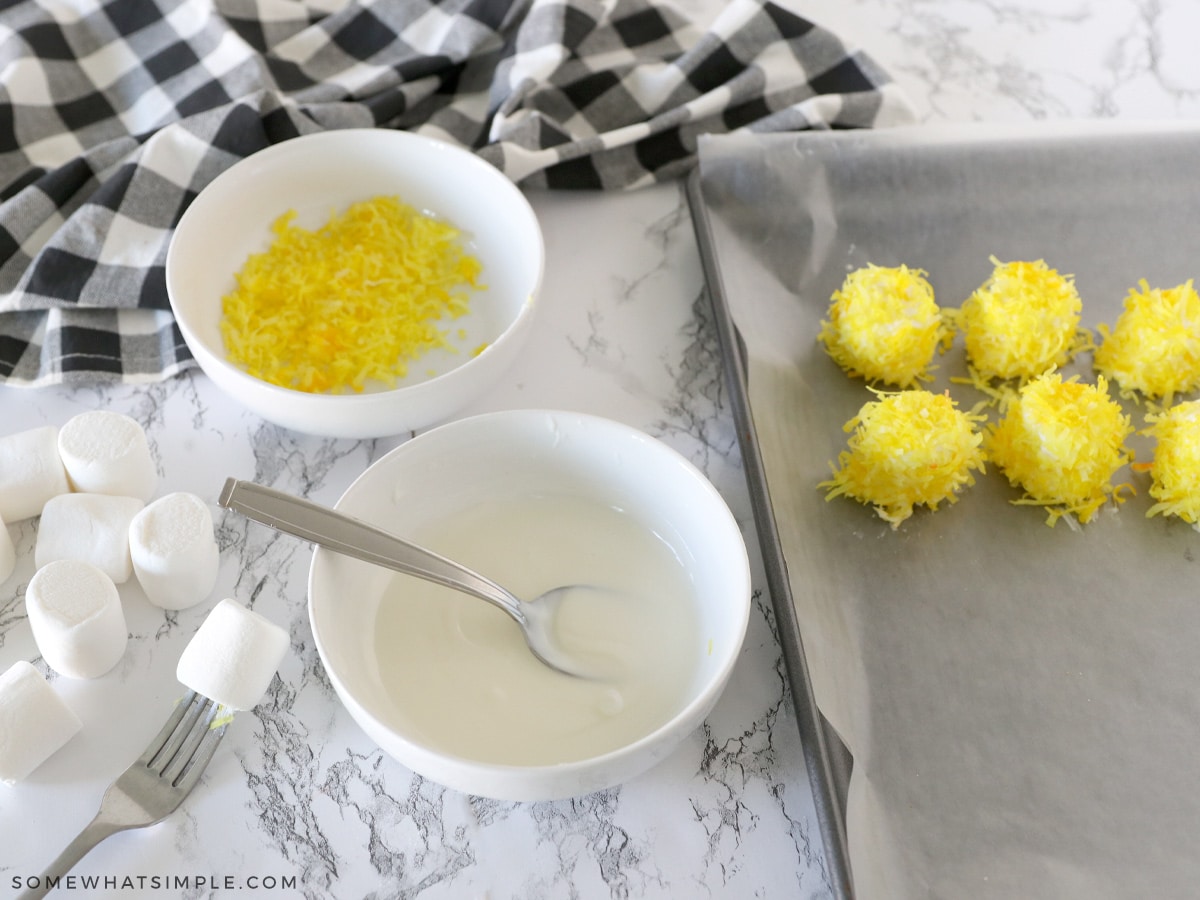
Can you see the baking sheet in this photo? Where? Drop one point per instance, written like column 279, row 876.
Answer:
column 1018, row 699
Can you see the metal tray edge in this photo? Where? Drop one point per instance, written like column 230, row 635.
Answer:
column 826, row 758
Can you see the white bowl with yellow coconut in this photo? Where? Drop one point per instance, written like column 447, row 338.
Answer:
column 356, row 283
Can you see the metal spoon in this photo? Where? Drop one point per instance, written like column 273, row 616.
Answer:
column 352, row 537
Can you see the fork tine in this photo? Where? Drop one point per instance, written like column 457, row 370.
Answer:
column 166, row 743
column 186, row 742
column 195, row 767
column 201, row 726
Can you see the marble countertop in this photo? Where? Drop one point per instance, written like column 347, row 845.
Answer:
column 299, row 802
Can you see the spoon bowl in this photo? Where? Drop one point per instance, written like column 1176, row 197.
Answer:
column 352, row 537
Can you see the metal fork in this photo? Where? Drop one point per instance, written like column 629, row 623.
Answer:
column 150, row 789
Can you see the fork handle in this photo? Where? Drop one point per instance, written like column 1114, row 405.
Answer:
column 93, row 833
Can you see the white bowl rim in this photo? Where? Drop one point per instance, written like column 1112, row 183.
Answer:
column 698, row 706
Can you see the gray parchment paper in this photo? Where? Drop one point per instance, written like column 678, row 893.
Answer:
column 1021, row 701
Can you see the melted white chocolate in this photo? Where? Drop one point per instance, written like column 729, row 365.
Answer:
column 457, row 669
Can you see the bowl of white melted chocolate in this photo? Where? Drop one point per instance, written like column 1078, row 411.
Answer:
column 536, row 499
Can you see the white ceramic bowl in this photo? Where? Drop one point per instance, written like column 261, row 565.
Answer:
column 319, row 174
column 444, row 474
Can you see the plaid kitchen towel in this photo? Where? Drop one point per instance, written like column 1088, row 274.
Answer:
column 113, row 115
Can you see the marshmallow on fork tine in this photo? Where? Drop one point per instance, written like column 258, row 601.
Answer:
column 233, row 656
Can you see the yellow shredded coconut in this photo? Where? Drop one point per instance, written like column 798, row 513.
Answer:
column 224, row 716
column 1021, row 322
column 885, row 326
column 1062, row 442
column 351, row 303
column 1175, row 471
column 1154, row 347
column 907, row 449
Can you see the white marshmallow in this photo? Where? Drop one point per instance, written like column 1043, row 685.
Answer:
column 75, row 612
column 107, row 453
column 174, row 551
column 233, row 656
column 8, row 553
column 31, row 472
column 92, row 528
column 34, row 721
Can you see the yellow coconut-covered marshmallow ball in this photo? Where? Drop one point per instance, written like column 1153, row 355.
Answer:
column 884, row 325
column 1021, row 322
column 1175, row 470
column 1061, row 442
column 1154, row 347
column 908, row 449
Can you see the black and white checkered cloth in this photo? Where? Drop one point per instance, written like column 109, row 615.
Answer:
column 113, row 116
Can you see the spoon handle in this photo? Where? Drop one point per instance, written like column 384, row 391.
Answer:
column 352, row 537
